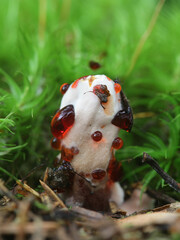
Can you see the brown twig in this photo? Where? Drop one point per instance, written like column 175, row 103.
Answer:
column 46, row 175
column 28, row 188
column 168, row 179
column 87, row 212
column 160, row 196
column 52, row 194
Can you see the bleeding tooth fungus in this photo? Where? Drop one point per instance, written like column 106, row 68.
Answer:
column 87, row 172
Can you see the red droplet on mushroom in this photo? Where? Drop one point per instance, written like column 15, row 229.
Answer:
column 74, row 150
column 74, row 84
column 83, row 78
column 67, row 154
column 109, row 78
column 124, row 118
column 62, row 121
column 114, row 170
column 64, row 88
column 98, row 174
column 97, row 136
column 94, row 65
column 87, row 175
column 101, row 92
column 117, row 143
column 117, row 87
column 56, row 143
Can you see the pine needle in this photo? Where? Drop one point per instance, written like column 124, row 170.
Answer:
column 52, row 194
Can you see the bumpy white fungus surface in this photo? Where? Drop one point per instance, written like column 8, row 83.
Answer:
column 90, row 116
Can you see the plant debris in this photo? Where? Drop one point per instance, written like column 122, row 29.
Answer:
column 168, row 179
column 45, row 216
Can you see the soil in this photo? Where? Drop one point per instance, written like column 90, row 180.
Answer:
column 44, row 216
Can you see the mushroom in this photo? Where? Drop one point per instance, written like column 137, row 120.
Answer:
column 85, row 129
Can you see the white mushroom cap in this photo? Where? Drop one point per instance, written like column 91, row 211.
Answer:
column 90, row 116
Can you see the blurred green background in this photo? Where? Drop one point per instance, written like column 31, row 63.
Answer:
column 46, row 43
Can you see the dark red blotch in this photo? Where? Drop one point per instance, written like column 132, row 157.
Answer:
column 98, row 174
column 124, row 118
column 63, row 121
column 101, row 92
column 64, row 88
column 114, row 170
column 94, row 65
column 56, row 143
column 67, row 154
column 97, row 136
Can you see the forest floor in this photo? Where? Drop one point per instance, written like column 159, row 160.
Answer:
column 45, row 216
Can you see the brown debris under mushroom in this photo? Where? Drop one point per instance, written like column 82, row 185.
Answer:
column 23, row 219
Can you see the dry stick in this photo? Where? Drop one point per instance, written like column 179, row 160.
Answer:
column 145, row 36
column 52, row 194
column 46, row 175
column 28, row 188
column 160, row 196
column 168, row 179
